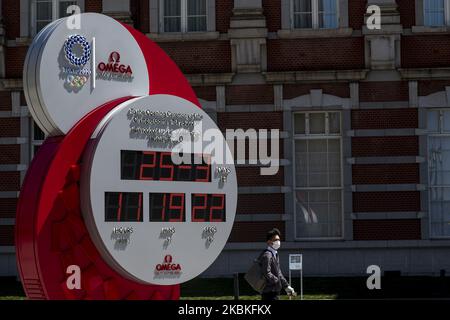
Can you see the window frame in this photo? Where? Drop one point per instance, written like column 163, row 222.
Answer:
column 442, row 134
column 446, row 14
column 325, row 136
column 184, row 19
column 314, row 16
column 55, row 12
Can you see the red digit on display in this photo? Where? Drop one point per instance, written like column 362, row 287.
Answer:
column 163, row 209
column 139, row 207
column 184, row 167
column 119, row 208
column 147, row 165
column 206, row 168
column 179, row 207
column 219, row 207
column 198, row 207
column 166, row 166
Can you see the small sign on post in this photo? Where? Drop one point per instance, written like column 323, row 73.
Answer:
column 296, row 263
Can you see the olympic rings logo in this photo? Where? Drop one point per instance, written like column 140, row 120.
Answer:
column 68, row 49
column 76, row 81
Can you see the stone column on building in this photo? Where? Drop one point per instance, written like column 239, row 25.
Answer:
column 383, row 45
column 248, row 34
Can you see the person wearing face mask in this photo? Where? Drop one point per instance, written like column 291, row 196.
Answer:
column 270, row 265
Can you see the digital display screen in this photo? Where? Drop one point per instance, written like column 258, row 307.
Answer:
column 123, row 206
column 208, row 207
column 164, row 207
column 167, row 207
column 154, row 165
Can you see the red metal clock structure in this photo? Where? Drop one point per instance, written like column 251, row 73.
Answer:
column 50, row 231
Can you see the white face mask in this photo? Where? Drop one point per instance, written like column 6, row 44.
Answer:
column 276, row 244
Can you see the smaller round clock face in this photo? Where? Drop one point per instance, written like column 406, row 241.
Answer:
column 159, row 190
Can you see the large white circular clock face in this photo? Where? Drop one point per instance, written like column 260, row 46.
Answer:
column 154, row 217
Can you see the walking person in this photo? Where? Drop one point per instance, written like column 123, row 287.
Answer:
column 270, row 266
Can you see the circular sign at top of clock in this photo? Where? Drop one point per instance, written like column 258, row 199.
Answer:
column 68, row 72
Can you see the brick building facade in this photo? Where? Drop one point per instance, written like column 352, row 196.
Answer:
column 363, row 118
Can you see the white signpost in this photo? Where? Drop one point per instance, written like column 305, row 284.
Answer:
column 296, row 263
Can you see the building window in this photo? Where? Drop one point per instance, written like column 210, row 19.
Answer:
column 314, row 14
column 436, row 13
column 46, row 11
column 318, row 175
column 37, row 138
column 184, row 15
column 439, row 172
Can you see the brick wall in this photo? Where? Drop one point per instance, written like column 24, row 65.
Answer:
column 140, row 14
column 11, row 18
column 224, row 11
column 93, row 6
column 250, row 176
column 200, row 56
column 408, row 229
column 383, row 91
column 5, row 101
column 427, row 87
column 6, row 235
column 10, row 181
column 15, row 57
column 8, row 207
column 385, row 173
column 407, row 11
column 205, row 93
column 9, row 154
column 246, row 146
column 385, row 146
column 272, row 12
column 260, row 203
column 254, row 231
column 249, row 94
column 385, row 118
column 315, row 54
column 356, row 11
column 428, row 51
column 9, row 127
column 386, row 201
column 291, row 91
column 247, row 120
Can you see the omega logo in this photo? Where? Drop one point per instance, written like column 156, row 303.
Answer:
column 114, row 65
column 168, row 266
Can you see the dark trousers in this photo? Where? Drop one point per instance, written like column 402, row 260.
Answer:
column 270, row 296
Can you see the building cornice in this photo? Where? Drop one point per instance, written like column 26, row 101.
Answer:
column 209, row 79
column 424, row 73
column 314, row 33
column 11, row 84
column 315, row 76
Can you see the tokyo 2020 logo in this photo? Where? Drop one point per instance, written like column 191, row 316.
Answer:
column 71, row 56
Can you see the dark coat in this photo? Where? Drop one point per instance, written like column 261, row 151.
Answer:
column 270, row 265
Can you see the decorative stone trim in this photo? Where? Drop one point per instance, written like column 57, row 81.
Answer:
column 321, row 75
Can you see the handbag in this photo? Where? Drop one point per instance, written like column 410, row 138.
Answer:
column 255, row 276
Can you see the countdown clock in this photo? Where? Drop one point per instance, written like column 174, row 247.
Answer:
column 133, row 194
column 106, row 192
